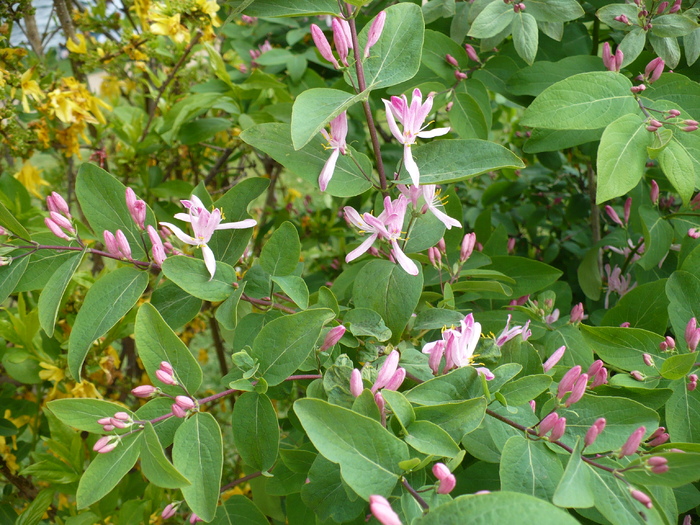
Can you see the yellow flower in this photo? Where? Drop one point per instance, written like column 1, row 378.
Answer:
column 30, row 177
column 79, row 47
column 51, row 373
column 30, row 88
column 210, row 7
column 85, row 389
column 141, row 7
column 7, row 456
column 203, row 356
column 169, row 26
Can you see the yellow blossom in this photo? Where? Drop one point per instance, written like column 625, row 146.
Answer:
column 72, row 102
column 30, row 177
column 79, row 47
column 203, row 356
column 85, row 389
column 7, row 456
column 169, row 26
column 210, row 7
column 30, row 88
column 51, row 373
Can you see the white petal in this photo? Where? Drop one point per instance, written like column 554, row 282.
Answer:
column 180, row 234
column 197, row 202
column 209, row 260
column 392, row 121
column 437, row 132
column 328, row 168
column 362, row 248
column 410, row 165
column 444, row 218
column 183, row 217
column 407, row 264
column 240, row 225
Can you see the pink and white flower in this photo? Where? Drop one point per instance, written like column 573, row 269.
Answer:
column 336, row 142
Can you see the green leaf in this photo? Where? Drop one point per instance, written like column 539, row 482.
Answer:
column 227, row 312
column 278, row 8
column 102, row 200
column 632, row 45
column 202, row 129
column 495, row 18
column 525, row 36
column 295, row 287
column 534, row 79
column 622, row 156
column 457, row 419
column 683, row 290
column 192, row 276
column 156, row 342
column 673, row 25
column 284, row 343
column 467, row 118
column 643, row 307
column 34, row 513
column 678, row 366
column 280, row 254
column 106, row 470
column 554, row 139
column 666, row 48
column 84, row 413
column 274, row 139
column 555, row 10
column 10, row 223
column 525, row 389
column 368, row 457
column 658, row 236
column 497, row 507
column 436, row 318
column 530, row 276
column 155, row 466
column 175, row 305
column 678, row 167
column 239, row 510
column 400, row 406
column 691, row 43
column 613, row 499
column 396, row 56
column 107, row 301
column 314, row 108
column 10, row 276
column 256, row 432
column 165, row 428
column 624, row 347
column 50, row 298
column 683, row 413
column 328, row 495
column 198, row 454
column 430, row 439
column 43, row 263
column 683, row 468
column 529, row 467
column 455, row 386
column 444, row 161
column 366, row 322
column 387, row 289
column 584, row 101
column 575, row 488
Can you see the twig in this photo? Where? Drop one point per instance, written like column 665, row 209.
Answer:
column 241, row 480
column 415, row 494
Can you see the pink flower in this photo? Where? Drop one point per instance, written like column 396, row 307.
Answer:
column 356, row 386
column 632, row 444
column 389, row 376
column 144, row 391
column 411, row 117
column 332, row 337
column 432, row 201
column 692, row 334
column 381, row 509
column 157, row 246
column 204, row 224
column 594, row 431
column 323, row 46
column 336, row 142
column 446, row 480
column 641, row 498
column 137, row 208
column 509, row 333
column 554, row 358
column 375, row 31
column 106, row 444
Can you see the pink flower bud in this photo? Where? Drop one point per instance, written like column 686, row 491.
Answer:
column 341, row 43
column 692, row 382
column 641, row 498
column 654, row 69
column 178, row 411
column 387, row 371
column 375, row 31
column 638, row 89
column 654, row 192
column 600, row 378
column 610, row 60
column 106, row 444
column 692, row 334
column 382, row 511
column 648, row 360
column 440, row 471
column 322, row 45
column 111, row 243
column 157, row 249
column 694, row 233
column 595, row 367
column 659, row 431
column 627, row 208
column 104, row 421
column 619, row 59
column 577, row 391
column 659, row 440
column 662, row 8
column 468, row 243
column 451, row 60
column 547, row 424
column 637, row 375
column 57, row 204
column 170, row 510
column 594, row 431
column 558, row 430
column 675, row 7
column 184, row 402
column 116, row 423
column 144, row 391
column 483, row 371
column 459, row 75
column 248, row 20
column 441, row 246
column 658, row 464
column 533, row 405
column 632, row 444
column 61, row 221
column 554, row 358
column 332, row 337
column 567, row 382
column 194, row 519
column 690, row 129
column 122, row 416
column 55, row 229
column 471, row 53
column 123, row 244
column 396, row 380
column 577, row 314
column 622, row 19
column 613, row 214
column 167, row 368
column 447, row 484
column 166, row 378
column 356, row 386
column 136, row 207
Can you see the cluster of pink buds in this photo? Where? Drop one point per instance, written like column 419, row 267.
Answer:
column 653, row 71
column 249, row 20
column 106, row 444
column 552, row 422
column 435, row 257
column 117, row 245
column 577, row 314
column 342, row 38
column 554, row 358
column 610, row 211
column 446, row 480
column 632, row 444
column 390, row 375
column 137, row 208
column 471, row 53
column 657, row 464
column 519, row 7
column 182, row 405
column 658, row 437
column 59, row 221
column 692, row 334
column 170, row 510
column 642, row 498
column 622, row 19
column 575, row 383
column 467, row 248
column 119, row 420
column 382, row 511
column 692, row 382
column 459, row 75
column 166, row 374
column 668, row 344
column 653, row 125
column 157, row 246
column 690, row 125
column 594, row 431
column 610, row 61
column 694, row 233
column 255, row 53
column 332, row 337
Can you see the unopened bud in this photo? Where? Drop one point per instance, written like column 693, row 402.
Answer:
column 382, row 511
column 375, row 31
column 459, row 75
column 675, row 7
column 692, row 334
column 332, row 337
column 446, row 479
column 658, row 464
column 641, row 498
column 468, row 243
column 577, row 315
column 322, row 45
column 637, row 375
column 554, row 358
column 558, row 430
column 170, row 510
column 547, row 424
column 471, row 53
column 659, row 440
column 106, row 444
column 157, row 247
column 178, row 411
column 136, row 207
column 632, row 444
column 654, row 70
column 441, row 245
column 166, row 378
column 567, row 382
column 638, row 89
column 654, row 192
column 396, row 380
column 55, row 229
column 662, row 8
column 600, row 378
column 58, row 204
column 144, row 391
column 451, row 60
column 613, row 214
column 577, row 391
column 341, row 43
column 356, row 386
column 123, row 244
column 185, row 402
column 594, row 431
column 648, row 360
column 622, row 19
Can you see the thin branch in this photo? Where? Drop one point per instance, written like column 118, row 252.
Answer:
column 415, row 494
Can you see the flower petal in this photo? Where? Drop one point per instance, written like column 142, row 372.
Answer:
column 444, row 218
column 406, row 263
column 183, row 217
column 410, row 165
column 239, row 225
column 209, row 260
column 392, row 122
column 362, row 248
column 180, row 234
column 328, row 169
column 437, row 132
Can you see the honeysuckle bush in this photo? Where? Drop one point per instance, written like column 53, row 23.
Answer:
column 330, row 262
